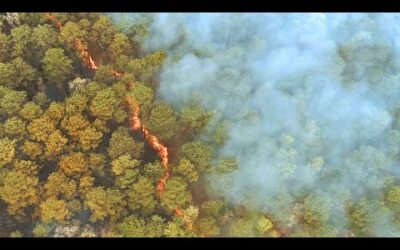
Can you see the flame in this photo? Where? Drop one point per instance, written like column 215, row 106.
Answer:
column 50, row 17
column 187, row 220
column 115, row 73
column 134, row 122
column 136, row 125
column 87, row 58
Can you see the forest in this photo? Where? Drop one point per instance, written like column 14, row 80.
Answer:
column 118, row 126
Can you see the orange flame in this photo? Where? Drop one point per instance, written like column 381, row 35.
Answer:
column 87, row 58
column 187, row 220
column 134, row 122
column 50, row 17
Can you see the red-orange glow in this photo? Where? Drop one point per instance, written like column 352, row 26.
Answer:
column 136, row 125
column 187, row 220
column 115, row 73
column 50, row 17
column 87, row 58
column 134, row 121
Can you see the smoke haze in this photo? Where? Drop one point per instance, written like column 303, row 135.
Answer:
column 311, row 101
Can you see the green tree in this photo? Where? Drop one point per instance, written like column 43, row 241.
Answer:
column 58, row 185
column 102, row 32
column 104, row 104
column 141, row 196
column 70, row 32
column 175, row 193
column 105, row 204
column 7, row 151
column 40, row 128
column 144, row 68
column 105, row 75
column 89, row 138
column 143, row 96
column 30, row 111
column 120, row 45
column 41, row 230
column 186, row 169
column 162, row 122
column 123, row 163
column 32, row 149
column 74, row 125
column 54, row 209
column 21, row 39
column 242, row 228
column 19, row 191
column 316, row 210
column 43, row 37
column 73, row 164
column 122, row 143
column 4, row 47
column 207, row 226
column 57, row 67
column 75, row 104
column 153, row 171
column 132, row 226
column 393, row 195
column 194, row 119
column 14, row 127
column 7, row 73
column 55, row 143
column 198, row 153
column 12, row 102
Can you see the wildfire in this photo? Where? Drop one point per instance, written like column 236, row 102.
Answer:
column 136, row 125
column 187, row 220
column 134, row 122
column 50, row 17
column 87, row 58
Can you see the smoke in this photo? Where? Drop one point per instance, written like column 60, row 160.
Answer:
column 311, row 101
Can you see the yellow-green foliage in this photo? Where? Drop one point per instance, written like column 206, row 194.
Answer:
column 104, row 104
column 55, row 143
column 40, row 128
column 74, row 125
column 122, row 143
column 73, row 164
column 12, row 101
column 89, row 138
column 105, row 203
column 59, row 185
column 75, row 104
column 32, row 149
column 54, row 209
column 55, row 111
column 187, row 170
column 19, row 190
column 26, row 167
column 141, row 195
column 14, row 127
column 7, row 151
column 176, row 193
column 123, row 163
column 30, row 111
column 66, row 150
column 57, row 67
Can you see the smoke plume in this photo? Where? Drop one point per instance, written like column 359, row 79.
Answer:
column 311, row 99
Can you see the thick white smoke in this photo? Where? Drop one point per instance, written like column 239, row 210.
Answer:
column 311, row 100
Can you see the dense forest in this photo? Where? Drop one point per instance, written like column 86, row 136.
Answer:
column 90, row 148
column 71, row 166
